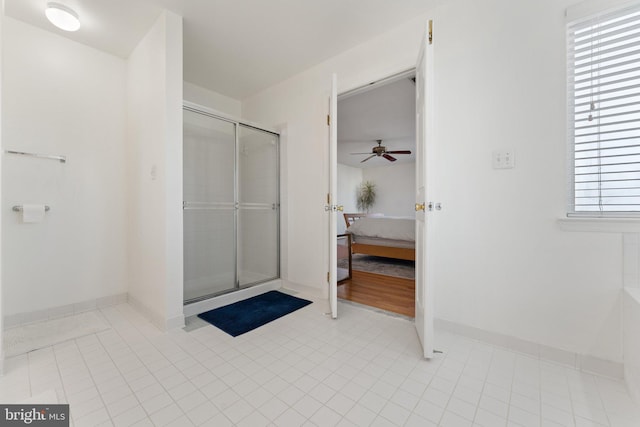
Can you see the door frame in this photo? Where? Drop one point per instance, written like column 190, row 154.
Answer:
column 340, row 96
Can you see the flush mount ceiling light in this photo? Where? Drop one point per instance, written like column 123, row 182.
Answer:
column 62, row 16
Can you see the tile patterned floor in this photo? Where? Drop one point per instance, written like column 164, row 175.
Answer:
column 307, row 370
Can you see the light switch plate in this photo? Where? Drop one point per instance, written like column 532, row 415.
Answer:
column 504, row 159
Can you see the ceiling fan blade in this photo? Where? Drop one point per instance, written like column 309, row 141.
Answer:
column 388, row 157
column 399, row 152
column 361, row 153
column 373, row 155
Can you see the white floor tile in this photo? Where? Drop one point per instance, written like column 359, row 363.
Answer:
column 485, row 418
column 130, row 417
column 325, row 417
column 225, row 399
column 238, row 411
column 523, row 418
column 372, row 401
column 405, row 399
column 459, row 407
column 395, row 413
column 417, row 421
column 449, row 419
column 322, row 393
column 254, row 419
column 202, row 413
column 156, row 403
column 167, row 415
column 191, row 401
column 525, row 403
column 304, row 369
column 273, row 408
column 122, row 405
column 218, row 420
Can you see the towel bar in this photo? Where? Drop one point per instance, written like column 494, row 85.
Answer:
column 61, row 159
column 18, row 208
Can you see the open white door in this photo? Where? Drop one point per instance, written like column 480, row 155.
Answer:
column 425, row 163
column 331, row 206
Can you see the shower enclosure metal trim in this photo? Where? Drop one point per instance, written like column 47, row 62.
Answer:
column 236, row 205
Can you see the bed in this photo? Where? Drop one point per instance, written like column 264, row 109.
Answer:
column 381, row 236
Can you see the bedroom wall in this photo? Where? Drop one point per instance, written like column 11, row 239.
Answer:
column 349, row 179
column 395, row 189
column 61, row 98
column 505, row 265
column 154, row 154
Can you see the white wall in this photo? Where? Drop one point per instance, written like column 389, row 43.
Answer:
column 395, row 188
column 631, row 344
column 504, row 263
column 62, row 98
column 210, row 99
column 154, row 152
column 349, row 180
column 1, row 205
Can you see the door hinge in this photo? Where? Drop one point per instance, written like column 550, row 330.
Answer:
column 328, row 120
column 430, row 31
column 328, row 277
column 328, row 198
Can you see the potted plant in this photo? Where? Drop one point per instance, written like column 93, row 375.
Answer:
column 366, row 196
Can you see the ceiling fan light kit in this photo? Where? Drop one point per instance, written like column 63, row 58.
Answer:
column 381, row 151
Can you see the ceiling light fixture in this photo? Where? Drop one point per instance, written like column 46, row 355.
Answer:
column 62, row 16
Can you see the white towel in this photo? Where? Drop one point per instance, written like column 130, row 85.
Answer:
column 32, row 213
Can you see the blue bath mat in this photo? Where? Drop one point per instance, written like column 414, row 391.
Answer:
column 244, row 316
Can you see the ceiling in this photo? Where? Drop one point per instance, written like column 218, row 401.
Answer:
column 385, row 112
column 234, row 47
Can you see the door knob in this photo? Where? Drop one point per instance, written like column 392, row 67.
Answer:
column 419, row 207
column 340, row 208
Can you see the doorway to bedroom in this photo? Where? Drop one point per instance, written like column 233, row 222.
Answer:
column 376, row 187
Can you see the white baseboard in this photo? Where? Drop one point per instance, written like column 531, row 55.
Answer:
column 631, row 385
column 630, row 343
column 175, row 322
column 581, row 362
column 226, row 299
column 25, row 318
column 310, row 291
column 157, row 319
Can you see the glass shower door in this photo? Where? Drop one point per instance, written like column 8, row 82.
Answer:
column 209, row 206
column 258, row 215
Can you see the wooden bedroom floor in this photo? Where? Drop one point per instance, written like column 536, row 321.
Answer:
column 389, row 293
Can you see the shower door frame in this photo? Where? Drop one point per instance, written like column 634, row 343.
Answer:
column 199, row 109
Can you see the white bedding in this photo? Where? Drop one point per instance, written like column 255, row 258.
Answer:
column 385, row 228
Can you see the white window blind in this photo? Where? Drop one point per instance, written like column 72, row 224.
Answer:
column 604, row 113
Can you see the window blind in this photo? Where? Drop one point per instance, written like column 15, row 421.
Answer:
column 604, row 112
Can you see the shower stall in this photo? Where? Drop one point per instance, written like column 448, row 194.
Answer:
column 231, row 205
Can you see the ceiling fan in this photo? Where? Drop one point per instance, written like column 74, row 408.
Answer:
column 381, row 151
